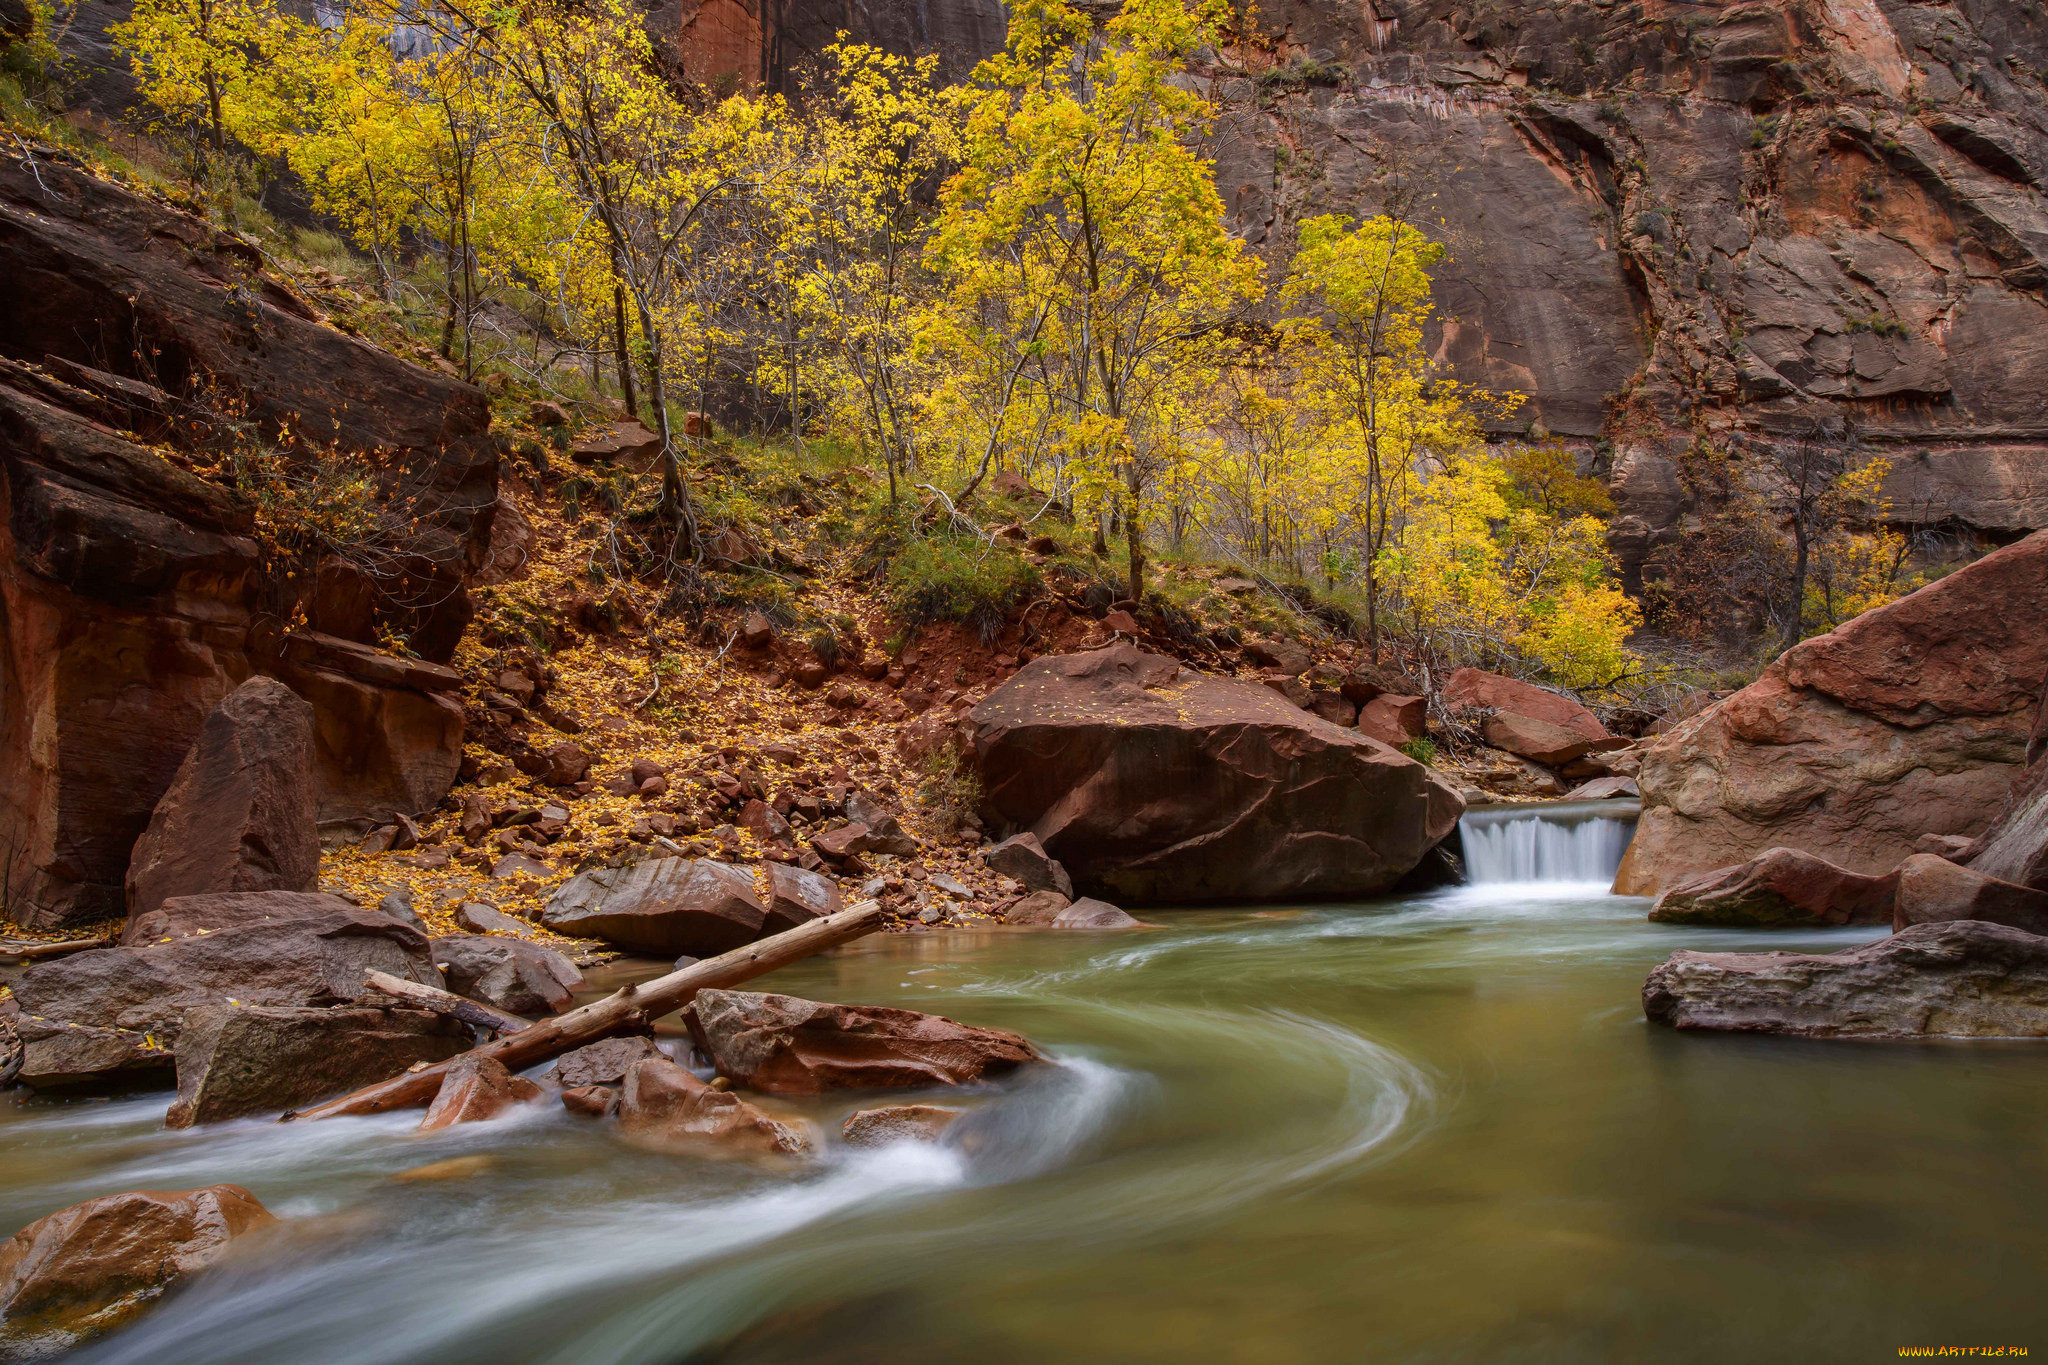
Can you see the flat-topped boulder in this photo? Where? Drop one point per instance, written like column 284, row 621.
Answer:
column 1912, row 719
column 1779, row 887
column 784, row 1045
column 317, row 961
column 184, row 916
column 1152, row 783
column 238, row 1060
column 666, row 906
column 1963, row 979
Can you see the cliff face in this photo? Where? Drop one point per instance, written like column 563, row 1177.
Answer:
column 1675, row 218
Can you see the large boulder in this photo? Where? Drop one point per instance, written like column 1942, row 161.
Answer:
column 56, row 1055
column 133, row 596
column 1934, row 891
column 780, row 1044
column 512, row 974
column 1910, row 720
column 1961, row 979
column 1152, row 783
column 184, row 916
column 663, row 1108
column 603, row 1062
column 239, row 816
column 666, row 906
column 1779, row 887
column 83, row 1270
column 238, row 1060
column 317, row 961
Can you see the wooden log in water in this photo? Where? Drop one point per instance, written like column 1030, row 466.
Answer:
column 622, row 1008
column 445, row 1002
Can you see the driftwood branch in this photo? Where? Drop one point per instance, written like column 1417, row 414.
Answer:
column 630, row 1005
column 28, row 952
column 445, row 1002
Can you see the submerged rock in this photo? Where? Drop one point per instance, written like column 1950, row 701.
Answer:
column 1779, row 887
column 1150, row 783
column 91, row 1267
column 783, row 1045
column 234, row 1061
column 663, row 1108
column 1963, row 979
column 897, row 1123
column 240, row 814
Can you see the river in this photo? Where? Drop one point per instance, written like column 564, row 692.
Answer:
column 1434, row 1128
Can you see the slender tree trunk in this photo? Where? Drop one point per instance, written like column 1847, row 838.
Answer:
column 1801, row 539
column 625, row 355
column 1134, row 543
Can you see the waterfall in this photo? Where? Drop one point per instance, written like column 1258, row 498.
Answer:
column 1557, row 841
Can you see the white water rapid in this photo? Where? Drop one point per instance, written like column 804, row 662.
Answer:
column 1571, row 843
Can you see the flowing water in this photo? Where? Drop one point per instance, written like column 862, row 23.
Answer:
column 1575, row 842
column 1427, row 1129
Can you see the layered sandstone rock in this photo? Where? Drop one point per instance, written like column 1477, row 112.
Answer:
column 476, row 1090
column 237, row 1060
column 1909, row 720
column 1935, row 891
column 782, row 1045
column 512, row 974
column 239, row 814
column 83, row 1270
column 1153, row 783
column 134, row 597
column 1962, row 979
column 666, row 906
column 1780, row 886
column 316, row 961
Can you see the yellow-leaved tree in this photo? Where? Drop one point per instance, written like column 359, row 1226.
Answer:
column 1089, row 272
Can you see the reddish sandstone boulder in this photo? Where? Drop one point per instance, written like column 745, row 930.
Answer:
column 797, row 896
column 1537, row 740
column 1934, row 890
column 184, row 916
column 1963, row 979
column 591, row 1101
column 88, row 1268
column 515, row 975
column 236, row 1060
column 1472, row 689
column 476, row 1090
column 316, row 961
column 665, row 906
column 663, row 1108
column 1393, row 719
column 1153, row 783
column 782, row 1045
column 603, row 1062
column 1780, row 886
column 239, row 816
column 1051, row 910
column 1910, row 720
column 1023, row 858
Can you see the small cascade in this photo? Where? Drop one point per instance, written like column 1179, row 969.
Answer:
column 1561, row 841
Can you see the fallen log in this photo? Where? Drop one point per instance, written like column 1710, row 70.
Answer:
column 628, row 1005
column 30, row 952
column 445, row 1002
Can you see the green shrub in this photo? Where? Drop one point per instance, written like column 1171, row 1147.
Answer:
column 1423, row 751
column 947, row 580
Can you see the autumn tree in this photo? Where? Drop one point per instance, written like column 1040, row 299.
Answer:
column 1082, row 240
